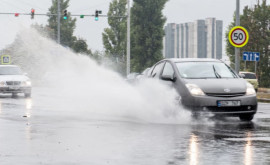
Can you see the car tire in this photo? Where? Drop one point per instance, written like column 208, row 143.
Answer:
column 26, row 95
column 246, row 117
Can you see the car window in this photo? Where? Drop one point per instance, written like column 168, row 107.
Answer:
column 249, row 76
column 198, row 70
column 149, row 72
column 168, row 70
column 145, row 71
column 157, row 69
column 10, row 71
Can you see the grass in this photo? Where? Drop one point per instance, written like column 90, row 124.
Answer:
column 261, row 95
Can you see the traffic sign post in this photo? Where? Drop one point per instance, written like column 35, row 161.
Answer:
column 5, row 59
column 238, row 37
column 251, row 56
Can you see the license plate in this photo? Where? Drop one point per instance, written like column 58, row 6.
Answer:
column 228, row 103
column 14, row 87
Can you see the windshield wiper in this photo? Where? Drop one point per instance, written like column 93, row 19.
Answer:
column 216, row 73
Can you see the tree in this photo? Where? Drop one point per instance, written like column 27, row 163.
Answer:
column 114, row 38
column 67, row 26
column 147, row 22
column 257, row 22
column 80, row 46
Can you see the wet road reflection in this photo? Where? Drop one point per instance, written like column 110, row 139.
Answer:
column 248, row 150
column 50, row 135
column 193, row 150
column 28, row 107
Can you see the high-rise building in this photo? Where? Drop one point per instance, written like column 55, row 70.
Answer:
column 199, row 39
column 170, row 43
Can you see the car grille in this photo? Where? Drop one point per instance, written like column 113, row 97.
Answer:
column 225, row 94
column 231, row 109
column 13, row 83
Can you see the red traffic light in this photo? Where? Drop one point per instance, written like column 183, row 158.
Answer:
column 32, row 13
column 16, row 14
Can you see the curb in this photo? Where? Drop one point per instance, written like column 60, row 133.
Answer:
column 264, row 100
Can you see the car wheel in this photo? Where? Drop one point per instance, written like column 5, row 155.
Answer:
column 27, row 95
column 246, row 117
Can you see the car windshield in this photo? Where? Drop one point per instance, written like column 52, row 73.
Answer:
column 249, row 76
column 198, row 70
column 10, row 71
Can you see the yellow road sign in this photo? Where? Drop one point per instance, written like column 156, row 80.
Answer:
column 5, row 59
column 238, row 36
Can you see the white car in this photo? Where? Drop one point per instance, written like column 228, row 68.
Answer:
column 12, row 80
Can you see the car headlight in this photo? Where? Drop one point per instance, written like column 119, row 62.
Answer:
column 26, row 83
column 2, row 83
column 195, row 90
column 250, row 89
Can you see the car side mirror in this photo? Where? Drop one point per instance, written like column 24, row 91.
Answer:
column 168, row 77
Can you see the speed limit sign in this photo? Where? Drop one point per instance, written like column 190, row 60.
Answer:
column 238, row 36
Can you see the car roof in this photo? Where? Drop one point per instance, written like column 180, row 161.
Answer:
column 192, row 60
column 246, row 72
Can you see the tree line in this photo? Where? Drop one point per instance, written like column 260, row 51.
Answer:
column 256, row 20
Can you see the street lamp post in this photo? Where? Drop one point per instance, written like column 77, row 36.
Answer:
column 128, row 38
column 237, row 50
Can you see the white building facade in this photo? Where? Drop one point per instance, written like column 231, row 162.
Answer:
column 199, row 39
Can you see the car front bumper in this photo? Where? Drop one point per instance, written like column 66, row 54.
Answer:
column 15, row 89
column 204, row 104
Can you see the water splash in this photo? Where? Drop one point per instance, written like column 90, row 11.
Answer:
column 81, row 85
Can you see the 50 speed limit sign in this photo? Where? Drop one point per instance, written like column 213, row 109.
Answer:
column 238, row 36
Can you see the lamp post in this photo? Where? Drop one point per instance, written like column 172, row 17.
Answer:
column 128, row 37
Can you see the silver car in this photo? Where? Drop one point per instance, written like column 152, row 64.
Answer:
column 12, row 80
column 208, row 85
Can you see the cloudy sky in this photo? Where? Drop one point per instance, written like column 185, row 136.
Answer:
column 176, row 11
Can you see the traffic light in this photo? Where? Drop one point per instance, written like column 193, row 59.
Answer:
column 97, row 13
column 81, row 16
column 65, row 14
column 16, row 14
column 32, row 13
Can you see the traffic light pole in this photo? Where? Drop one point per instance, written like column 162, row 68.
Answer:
column 58, row 21
column 128, row 38
column 237, row 50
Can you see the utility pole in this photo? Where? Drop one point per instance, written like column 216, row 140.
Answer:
column 58, row 21
column 237, row 50
column 128, row 38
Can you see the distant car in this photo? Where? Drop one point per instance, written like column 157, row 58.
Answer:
column 251, row 78
column 208, row 85
column 12, row 80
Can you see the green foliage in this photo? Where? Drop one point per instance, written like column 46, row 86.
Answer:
column 147, row 22
column 67, row 26
column 66, row 29
column 114, row 38
column 80, row 46
column 257, row 22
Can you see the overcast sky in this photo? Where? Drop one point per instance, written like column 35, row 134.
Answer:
column 176, row 11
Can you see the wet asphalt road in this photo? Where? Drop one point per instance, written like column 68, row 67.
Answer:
column 38, row 131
